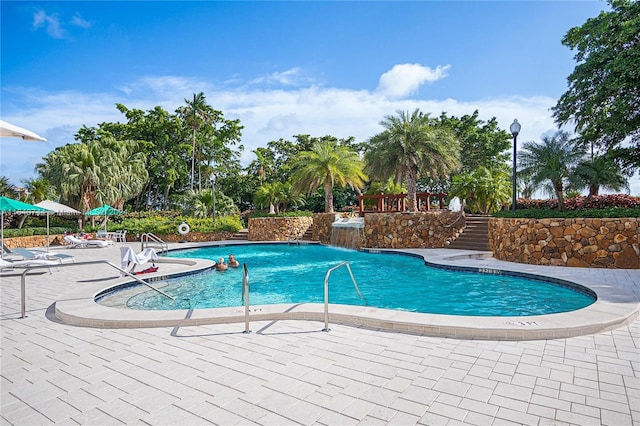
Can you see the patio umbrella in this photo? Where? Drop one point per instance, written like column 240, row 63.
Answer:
column 14, row 206
column 106, row 211
column 58, row 209
column 13, row 131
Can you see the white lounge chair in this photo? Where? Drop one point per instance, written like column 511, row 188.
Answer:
column 75, row 242
column 42, row 255
column 6, row 264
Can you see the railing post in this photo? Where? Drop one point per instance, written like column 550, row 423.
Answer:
column 245, row 295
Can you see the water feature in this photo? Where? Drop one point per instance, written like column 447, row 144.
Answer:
column 347, row 232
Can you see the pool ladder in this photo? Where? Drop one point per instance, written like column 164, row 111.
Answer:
column 245, row 293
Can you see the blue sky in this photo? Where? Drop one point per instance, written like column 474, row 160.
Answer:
column 282, row 68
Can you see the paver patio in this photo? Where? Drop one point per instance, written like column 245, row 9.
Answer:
column 290, row 372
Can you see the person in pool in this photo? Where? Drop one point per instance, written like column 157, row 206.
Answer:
column 221, row 266
column 233, row 262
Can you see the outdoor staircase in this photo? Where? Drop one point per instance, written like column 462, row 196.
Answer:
column 242, row 235
column 475, row 235
column 308, row 235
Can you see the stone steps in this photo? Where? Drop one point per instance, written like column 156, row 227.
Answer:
column 242, row 235
column 475, row 235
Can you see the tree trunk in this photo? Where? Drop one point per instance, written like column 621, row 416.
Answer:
column 328, row 198
column 560, row 195
column 411, row 189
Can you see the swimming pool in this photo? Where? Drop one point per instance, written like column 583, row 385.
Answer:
column 281, row 273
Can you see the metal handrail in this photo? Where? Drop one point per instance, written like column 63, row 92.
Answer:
column 144, row 242
column 245, row 297
column 326, row 291
column 23, row 297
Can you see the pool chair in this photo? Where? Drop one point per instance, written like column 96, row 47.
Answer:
column 6, row 264
column 42, row 255
column 129, row 259
column 75, row 242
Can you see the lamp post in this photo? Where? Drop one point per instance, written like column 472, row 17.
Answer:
column 212, row 178
column 515, row 129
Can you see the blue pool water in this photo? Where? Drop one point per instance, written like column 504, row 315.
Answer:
column 281, row 273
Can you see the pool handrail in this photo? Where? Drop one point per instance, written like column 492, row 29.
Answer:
column 326, row 290
column 159, row 243
column 245, row 297
column 23, row 285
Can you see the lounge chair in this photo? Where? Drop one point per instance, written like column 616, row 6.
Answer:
column 6, row 264
column 75, row 242
column 129, row 258
column 42, row 255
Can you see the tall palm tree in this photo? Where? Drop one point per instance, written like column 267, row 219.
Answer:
column 327, row 164
column 600, row 172
column 411, row 145
column 195, row 113
column 554, row 159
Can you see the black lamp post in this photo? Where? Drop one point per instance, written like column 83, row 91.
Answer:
column 515, row 129
column 212, row 178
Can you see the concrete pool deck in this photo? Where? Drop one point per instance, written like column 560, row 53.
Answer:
column 617, row 305
column 288, row 372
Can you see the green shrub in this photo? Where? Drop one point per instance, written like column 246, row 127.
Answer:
column 297, row 213
column 28, row 232
column 552, row 213
column 158, row 224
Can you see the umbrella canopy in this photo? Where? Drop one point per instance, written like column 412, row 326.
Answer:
column 57, row 208
column 15, row 206
column 13, row 131
column 105, row 210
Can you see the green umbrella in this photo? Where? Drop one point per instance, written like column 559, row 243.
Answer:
column 105, row 210
column 14, row 206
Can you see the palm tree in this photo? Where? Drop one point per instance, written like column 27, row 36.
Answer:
column 410, row 145
column 96, row 172
column 6, row 188
column 554, row 159
column 327, row 164
column 38, row 190
column 483, row 190
column 267, row 195
column 600, row 172
column 195, row 113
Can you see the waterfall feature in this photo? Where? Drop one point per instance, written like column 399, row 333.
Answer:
column 348, row 232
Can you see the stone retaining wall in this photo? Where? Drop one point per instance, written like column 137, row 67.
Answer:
column 583, row 242
column 411, row 230
column 278, row 228
column 34, row 241
column 322, row 227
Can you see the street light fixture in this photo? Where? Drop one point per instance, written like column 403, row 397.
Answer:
column 515, row 129
column 212, row 178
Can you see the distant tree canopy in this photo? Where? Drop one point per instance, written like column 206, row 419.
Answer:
column 603, row 99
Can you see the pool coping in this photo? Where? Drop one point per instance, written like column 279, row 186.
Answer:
column 616, row 306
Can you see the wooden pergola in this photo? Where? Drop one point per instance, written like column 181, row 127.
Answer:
column 398, row 202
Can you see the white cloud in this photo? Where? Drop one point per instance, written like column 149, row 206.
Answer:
column 78, row 21
column 265, row 114
column 291, row 77
column 51, row 22
column 405, row 79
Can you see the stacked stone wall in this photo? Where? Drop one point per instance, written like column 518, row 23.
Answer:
column 582, row 242
column 322, row 223
column 34, row 241
column 278, row 228
column 411, row 230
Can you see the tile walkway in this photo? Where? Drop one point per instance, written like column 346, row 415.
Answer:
column 289, row 372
